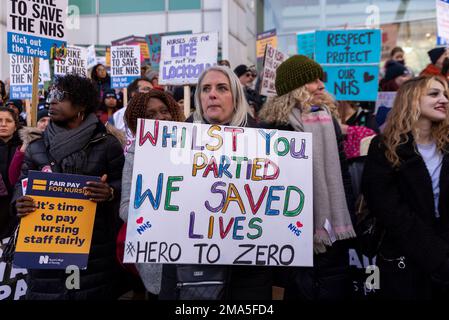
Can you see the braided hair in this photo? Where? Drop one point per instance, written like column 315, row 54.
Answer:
column 138, row 104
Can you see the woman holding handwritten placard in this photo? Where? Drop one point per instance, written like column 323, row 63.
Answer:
column 302, row 104
column 406, row 186
column 76, row 142
column 220, row 100
column 157, row 105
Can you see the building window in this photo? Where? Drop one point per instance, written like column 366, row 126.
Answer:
column 184, row 4
column 85, row 6
column 121, row 6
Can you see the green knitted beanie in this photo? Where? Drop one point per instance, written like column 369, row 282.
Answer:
column 295, row 72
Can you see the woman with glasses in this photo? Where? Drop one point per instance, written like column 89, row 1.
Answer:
column 76, row 142
column 406, row 186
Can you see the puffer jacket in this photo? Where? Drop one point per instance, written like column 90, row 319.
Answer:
column 98, row 281
column 7, row 220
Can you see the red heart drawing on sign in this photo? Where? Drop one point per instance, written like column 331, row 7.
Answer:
column 367, row 77
column 140, row 220
column 299, row 224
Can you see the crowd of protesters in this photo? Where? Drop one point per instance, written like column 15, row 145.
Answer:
column 85, row 127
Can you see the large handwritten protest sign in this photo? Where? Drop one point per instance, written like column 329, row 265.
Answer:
column 347, row 82
column 154, row 46
column 185, row 57
column 348, row 46
column 75, row 62
column 21, row 70
column 35, row 26
column 220, row 195
column 59, row 232
column 125, row 61
column 273, row 58
column 350, row 59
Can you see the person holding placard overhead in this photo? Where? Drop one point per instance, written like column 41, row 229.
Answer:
column 406, row 186
column 220, row 100
column 302, row 104
column 76, row 142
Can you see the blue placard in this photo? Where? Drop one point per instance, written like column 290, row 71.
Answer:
column 348, row 46
column 22, row 92
column 306, row 44
column 47, row 260
column 352, row 83
column 122, row 82
column 58, row 185
column 26, row 45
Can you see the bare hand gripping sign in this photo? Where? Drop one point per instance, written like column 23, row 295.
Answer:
column 220, row 195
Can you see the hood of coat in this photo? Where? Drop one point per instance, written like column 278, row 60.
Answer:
column 29, row 134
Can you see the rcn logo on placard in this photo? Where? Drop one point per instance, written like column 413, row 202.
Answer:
column 39, row 184
column 44, row 259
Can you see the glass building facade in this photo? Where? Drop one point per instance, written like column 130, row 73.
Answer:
column 410, row 24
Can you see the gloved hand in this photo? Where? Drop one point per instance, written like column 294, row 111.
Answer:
column 441, row 275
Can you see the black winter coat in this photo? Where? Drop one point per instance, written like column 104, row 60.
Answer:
column 329, row 278
column 244, row 282
column 7, row 219
column 402, row 200
column 104, row 156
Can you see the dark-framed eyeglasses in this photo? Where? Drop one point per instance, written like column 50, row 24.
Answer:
column 57, row 94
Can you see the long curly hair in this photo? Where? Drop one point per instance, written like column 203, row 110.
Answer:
column 403, row 118
column 138, row 104
column 277, row 109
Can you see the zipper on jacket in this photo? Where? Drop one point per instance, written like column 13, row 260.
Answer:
column 199, row 283
column 401, row 263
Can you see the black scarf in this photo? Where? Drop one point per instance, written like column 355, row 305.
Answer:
column 67, row 146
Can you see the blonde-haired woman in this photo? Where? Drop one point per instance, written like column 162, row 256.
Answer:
column 302, row 104
column 406, row 185
column 219, row 99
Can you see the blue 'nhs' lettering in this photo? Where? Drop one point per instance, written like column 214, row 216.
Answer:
column 294, row 229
